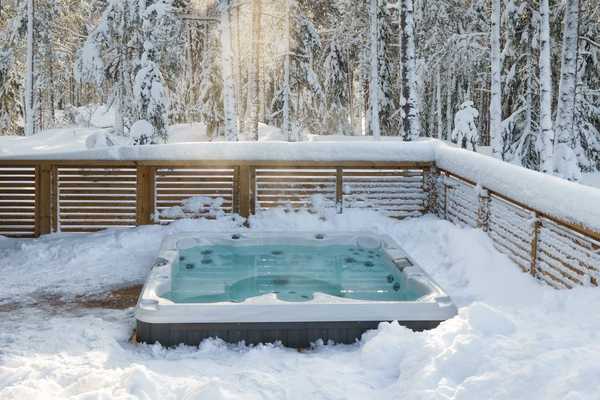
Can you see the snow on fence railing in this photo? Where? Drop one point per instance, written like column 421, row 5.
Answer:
column 548, row 227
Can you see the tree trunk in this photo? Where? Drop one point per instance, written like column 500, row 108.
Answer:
column 496, row 85
column 286, row 78
column 253, row 71
column 239, row 78
column 411, row 123
column 438, row 102
column 374, row 69
column 565, row 161
column 449, row 108
column 30, row 78
column 525, row 137
column 545, row 143
column 229, row 108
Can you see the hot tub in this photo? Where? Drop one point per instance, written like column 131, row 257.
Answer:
column 293, row 288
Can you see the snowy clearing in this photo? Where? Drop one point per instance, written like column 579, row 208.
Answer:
column 513, row 338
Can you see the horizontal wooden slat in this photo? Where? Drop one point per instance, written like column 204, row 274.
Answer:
column 103, row 217
column 165, row 174
column 17, row 185
column 22, row 172
column 12, row 222
column 9, row 217
column 97, row 210
column 97, row 197
column 96, row 203
column 98, row 223
column 91, row 186
column 294, row 174
column 91, row 229
column 90, row 173
column 123, row 180
column 6, row 198
column 16, row 232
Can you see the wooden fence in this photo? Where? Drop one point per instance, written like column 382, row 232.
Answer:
column 559, row 253
column 39, row 197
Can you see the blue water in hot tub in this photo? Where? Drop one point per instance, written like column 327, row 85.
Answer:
column 209, row 274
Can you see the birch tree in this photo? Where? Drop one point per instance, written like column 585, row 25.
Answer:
column 565, row 161
column 546, row 141
column 496, row 82
column 374, row 69
column 252, row 104
column 229, row 109
column 30, row 78
column 411, row 120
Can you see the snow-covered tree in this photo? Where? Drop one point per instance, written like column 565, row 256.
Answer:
column 11, row 84
column 211, row 89
column 149, row 86
column 336, row 90
column 126, row 50
column 465, row 131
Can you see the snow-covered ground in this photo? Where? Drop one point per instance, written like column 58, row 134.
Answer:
column 592, row 179
column 513, row 338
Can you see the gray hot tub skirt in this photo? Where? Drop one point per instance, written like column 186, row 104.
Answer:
column 290, row 334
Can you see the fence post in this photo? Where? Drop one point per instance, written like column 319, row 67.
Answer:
column 430, row 188
column 537, row 225
column 445, row 183
column 244, row 190
column 483, row 212
column 43, row 201
column 339, row 190
column 145, row 195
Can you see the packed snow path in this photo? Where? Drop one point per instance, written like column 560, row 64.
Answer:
column 513, row 338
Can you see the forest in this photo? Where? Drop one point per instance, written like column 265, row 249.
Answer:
column 516, row 79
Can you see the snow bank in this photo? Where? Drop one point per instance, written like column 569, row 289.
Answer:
column 513, row 338
column 58, row 141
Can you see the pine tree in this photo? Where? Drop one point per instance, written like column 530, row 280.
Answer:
column 126, row 50
column 211, row 89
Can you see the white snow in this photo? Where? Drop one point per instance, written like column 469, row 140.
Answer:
column 513, row 338
column 57, row 141
column 261, row 151
column 195, row 207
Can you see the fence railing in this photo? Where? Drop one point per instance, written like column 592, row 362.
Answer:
column 39, row 197
column 562, row 254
